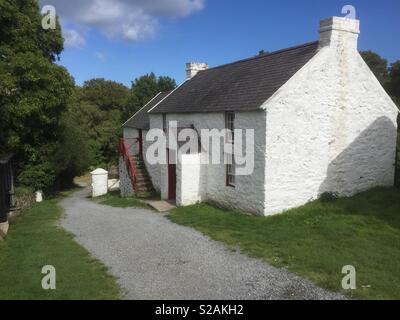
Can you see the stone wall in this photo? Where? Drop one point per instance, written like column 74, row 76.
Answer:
column 125, row 184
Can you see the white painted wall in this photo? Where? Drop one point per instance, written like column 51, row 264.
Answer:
column 249, row 192
column 331, row 128
column 191, row 179
column 130, row 135
column 153, row 170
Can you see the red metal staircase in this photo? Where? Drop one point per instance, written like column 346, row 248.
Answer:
column 124, row 152
column 141, row 182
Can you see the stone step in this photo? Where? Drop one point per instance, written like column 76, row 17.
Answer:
column 143, row 181
column 139, row 165
column 137, row 158
column 144, row 184
column 142, row 174
column 144, row 194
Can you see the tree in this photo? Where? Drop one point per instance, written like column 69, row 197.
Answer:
column 73, row 155
column 34, row 91
column 144, row 89
column 105, row 94
column 378, row 65
column 166, row 84
column 97, row 108
column 394, row 83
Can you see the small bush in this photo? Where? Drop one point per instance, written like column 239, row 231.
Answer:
column 23, row 190
column 38, row 177
column 328, row 197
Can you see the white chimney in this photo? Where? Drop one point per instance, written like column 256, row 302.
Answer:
column 339, row 32
column 193, row 68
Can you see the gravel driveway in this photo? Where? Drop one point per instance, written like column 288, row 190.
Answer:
column 154, row 258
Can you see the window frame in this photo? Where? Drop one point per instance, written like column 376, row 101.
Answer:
column 164, row 116
column 230, row 127
column 230, row 138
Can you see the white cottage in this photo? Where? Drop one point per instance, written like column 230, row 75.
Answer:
column 322, row 123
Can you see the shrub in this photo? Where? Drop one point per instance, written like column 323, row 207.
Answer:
column 38, row 177
column 23, row 190
column 328, row 197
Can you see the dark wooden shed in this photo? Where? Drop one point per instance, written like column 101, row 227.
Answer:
column 7, row 196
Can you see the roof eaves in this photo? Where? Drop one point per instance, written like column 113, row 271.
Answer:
column 171, row 92
column 263, row 55
column 137, row 112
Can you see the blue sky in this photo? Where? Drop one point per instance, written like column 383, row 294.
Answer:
column 162, row 35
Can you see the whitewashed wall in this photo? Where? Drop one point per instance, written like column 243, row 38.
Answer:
column 153, row 170
column 130, row 135
column 331, row 128
column 191, row 180
column 249, row 192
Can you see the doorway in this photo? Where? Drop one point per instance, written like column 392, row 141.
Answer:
column 171, row 176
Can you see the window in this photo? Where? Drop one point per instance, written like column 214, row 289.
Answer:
column 164, row 120
column 230, row 174
column 230, row 138
column 230, row 126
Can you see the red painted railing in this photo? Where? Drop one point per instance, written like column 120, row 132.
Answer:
column 124, row 152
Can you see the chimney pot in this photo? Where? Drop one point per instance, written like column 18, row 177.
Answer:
column 193, row 68
column 339, row 32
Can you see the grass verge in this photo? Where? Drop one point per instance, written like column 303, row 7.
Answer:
column 318, row 239
column 34, row 241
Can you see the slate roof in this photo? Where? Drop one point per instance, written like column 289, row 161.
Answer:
column 140, row 119
column 239, row 86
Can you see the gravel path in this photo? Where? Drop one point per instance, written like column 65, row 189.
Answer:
column 154, row 258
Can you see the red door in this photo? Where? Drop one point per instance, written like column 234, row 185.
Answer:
column 171, row 179
column 141, row 142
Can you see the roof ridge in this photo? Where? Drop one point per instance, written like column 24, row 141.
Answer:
column 307, row 44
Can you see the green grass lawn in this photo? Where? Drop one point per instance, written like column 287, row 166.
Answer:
column 114, row 199
column 318, row 239
column 35, row 240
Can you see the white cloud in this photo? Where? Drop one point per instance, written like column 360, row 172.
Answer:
column 131, row 20
column 73, row 39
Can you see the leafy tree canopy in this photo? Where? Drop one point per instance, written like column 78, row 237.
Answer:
column 105, row 94
column 34, row 91
column 144, row 89
column 394, row 84
column 378, row 65
column 389, row 77
column 97, row 108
